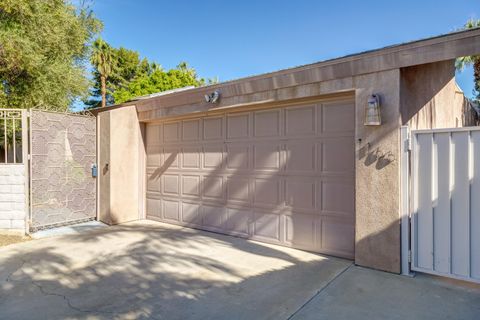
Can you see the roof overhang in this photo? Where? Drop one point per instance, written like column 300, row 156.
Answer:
column 439, row 48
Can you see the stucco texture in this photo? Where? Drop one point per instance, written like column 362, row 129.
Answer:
column 120, row 183
column 430, row 97
column 377, row 174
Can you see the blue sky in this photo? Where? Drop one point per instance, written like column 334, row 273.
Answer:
column 233, row 39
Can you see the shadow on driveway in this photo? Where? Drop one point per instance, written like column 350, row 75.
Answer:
column 151, row 270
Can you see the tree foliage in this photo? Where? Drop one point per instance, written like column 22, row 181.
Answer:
column 474, row 61
column 157, row 80
column 44, row 45
column 132, row 76
column 126, row 65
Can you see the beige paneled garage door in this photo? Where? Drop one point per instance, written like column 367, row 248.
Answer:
column 281, row 175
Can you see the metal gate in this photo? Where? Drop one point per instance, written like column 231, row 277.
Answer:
column 63, row 151
column 446, row 202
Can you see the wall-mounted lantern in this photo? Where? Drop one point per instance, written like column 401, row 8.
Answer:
column 372, row 111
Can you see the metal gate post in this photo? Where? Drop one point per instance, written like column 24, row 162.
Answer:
column 26, row 163
column 405, row 198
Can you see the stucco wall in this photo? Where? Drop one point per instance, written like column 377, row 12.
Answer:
column 121, row 182
column 429, row 96
column 12, row 198
column 377, row 232
column 103, row 123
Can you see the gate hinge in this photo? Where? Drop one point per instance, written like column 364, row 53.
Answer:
column 409, row 256
column 408, row 144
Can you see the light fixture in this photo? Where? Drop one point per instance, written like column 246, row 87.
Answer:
column 372, row 111
column 213, row 97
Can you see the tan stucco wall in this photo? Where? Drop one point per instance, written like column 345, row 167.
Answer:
column 122, row 190
column 103, row 123
column 377, row 174
column 430, row 97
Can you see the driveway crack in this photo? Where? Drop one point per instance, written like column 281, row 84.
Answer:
column 67, row 300
column 47, row 293
column 320, row 291
column 9, row 277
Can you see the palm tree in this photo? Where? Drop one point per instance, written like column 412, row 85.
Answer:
column 462, row 62
column 102, row 60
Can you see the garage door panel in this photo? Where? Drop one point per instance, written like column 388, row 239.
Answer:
column 213, row 188
column 238, row 189
column 213, row 157
column 213, row 128
column 266, row 156
column 214, row 217
column 171, row 185
column 238, row 220
column 153, row 207
column 154, row 195
column 267, row 123
column 300, row 121
column 337, row 119
column 171, row 132
column 153, row 181
column 154, row 153
column 191, row 186
column 238, row 156
column 266, row 226
column 191, row 158
column 279, row 175
column 337, row 197
column 170, row 210
column 338, row 156
column 300, row 193
column 154, row 135
column 267, row 192
column 191, row 130
column 301, row 156
column 338, row 236
column 191, row 214
column 170, row 159
column 238, row 126
column 300, row 230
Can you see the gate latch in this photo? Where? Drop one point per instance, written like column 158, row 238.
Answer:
column 94, row 170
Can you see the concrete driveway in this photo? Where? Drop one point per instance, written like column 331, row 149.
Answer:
column 149, row 270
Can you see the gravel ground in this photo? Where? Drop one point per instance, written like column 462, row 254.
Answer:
column 9, row 239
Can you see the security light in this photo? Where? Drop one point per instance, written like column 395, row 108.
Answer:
column 213, row 97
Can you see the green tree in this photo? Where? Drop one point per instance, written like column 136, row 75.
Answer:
column 44, row 47
column 102, row 60
column 126, row 65
column 129, row 77
column 158, row 80
column 462, row 62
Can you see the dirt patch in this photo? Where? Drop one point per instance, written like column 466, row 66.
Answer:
column 10, row 239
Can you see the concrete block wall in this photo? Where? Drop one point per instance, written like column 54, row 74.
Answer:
column 12, row 198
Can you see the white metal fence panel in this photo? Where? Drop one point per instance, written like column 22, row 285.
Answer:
column 446, row 202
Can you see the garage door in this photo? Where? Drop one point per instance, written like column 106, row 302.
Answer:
column 280, row 175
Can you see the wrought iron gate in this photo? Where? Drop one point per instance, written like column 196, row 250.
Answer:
column 63, row 150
